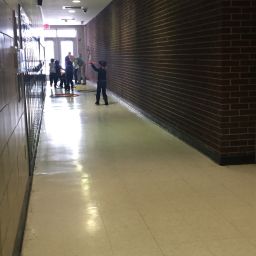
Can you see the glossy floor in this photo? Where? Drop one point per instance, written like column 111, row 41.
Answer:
column 109, row 182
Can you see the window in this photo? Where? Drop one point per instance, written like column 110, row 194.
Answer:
column 49, row 53
column 71, row 33
column 50, row 33
column 66, row 33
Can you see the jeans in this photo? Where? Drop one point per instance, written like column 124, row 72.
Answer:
column 101, row 87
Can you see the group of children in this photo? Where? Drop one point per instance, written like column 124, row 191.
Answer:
column 65, row 76
column 56, row 73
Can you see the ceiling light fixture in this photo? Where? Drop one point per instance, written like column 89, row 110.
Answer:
column 71, row 11
column 84, row 9
column 72, row 7
column 76, row 1
column 68, row 19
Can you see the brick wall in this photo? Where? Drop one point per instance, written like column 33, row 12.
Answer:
column 239, row 60
column 189, row 65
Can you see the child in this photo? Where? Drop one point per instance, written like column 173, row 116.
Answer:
column 69, row 76
column 59, row 75
column 76, row 67
column 52, row 72
column 62, row 79
column 102, row 81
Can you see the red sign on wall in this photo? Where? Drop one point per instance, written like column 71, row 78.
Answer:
column 46, row 26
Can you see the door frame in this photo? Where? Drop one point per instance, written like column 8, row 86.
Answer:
column 57, row 47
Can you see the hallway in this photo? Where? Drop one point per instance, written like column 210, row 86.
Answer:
column 109, row 182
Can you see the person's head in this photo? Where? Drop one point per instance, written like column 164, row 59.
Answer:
column 52, row 60
column 57, row 62
column 103, row 63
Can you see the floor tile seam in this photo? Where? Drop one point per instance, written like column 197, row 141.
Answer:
column 235, row 227
column 196, row 193
column 177, row 210
column 251, row 243
column 226, row 239
column 105, row 229
column 214, row 208
column 194, row 186
column 228, row 219
column 202, row 244
column 230, row 190
column 142, row 218
column 217, row 213
column 239, row 230
column 238, row 197
column 101, row 214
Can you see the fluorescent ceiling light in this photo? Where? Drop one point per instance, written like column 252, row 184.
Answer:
column 71, row 11
column 76, row 1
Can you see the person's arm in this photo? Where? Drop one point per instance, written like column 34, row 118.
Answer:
column 94, row 67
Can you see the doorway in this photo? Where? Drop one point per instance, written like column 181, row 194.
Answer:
column 49, row 53
column 58, row 49
column 58, row 43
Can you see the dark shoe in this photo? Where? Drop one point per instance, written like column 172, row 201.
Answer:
column 106, row 103
column 97, row 103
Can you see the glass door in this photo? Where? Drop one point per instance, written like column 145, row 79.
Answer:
column 49, row 53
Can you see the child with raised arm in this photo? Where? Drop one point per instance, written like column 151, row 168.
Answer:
column 102, row 82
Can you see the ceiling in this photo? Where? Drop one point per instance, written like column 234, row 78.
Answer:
column 54, row 14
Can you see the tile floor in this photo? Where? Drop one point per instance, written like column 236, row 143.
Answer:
column 109, row 182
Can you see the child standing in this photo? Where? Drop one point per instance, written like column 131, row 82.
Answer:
column 76, row 67
column 102, row 81
column 69, row 75
column 59, row 69
column 52, row 72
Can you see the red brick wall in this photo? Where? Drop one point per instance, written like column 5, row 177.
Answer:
column 239, row 60
column 189, row 65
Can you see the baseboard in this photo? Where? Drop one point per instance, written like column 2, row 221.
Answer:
column 194, row 142
column 22, row 221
